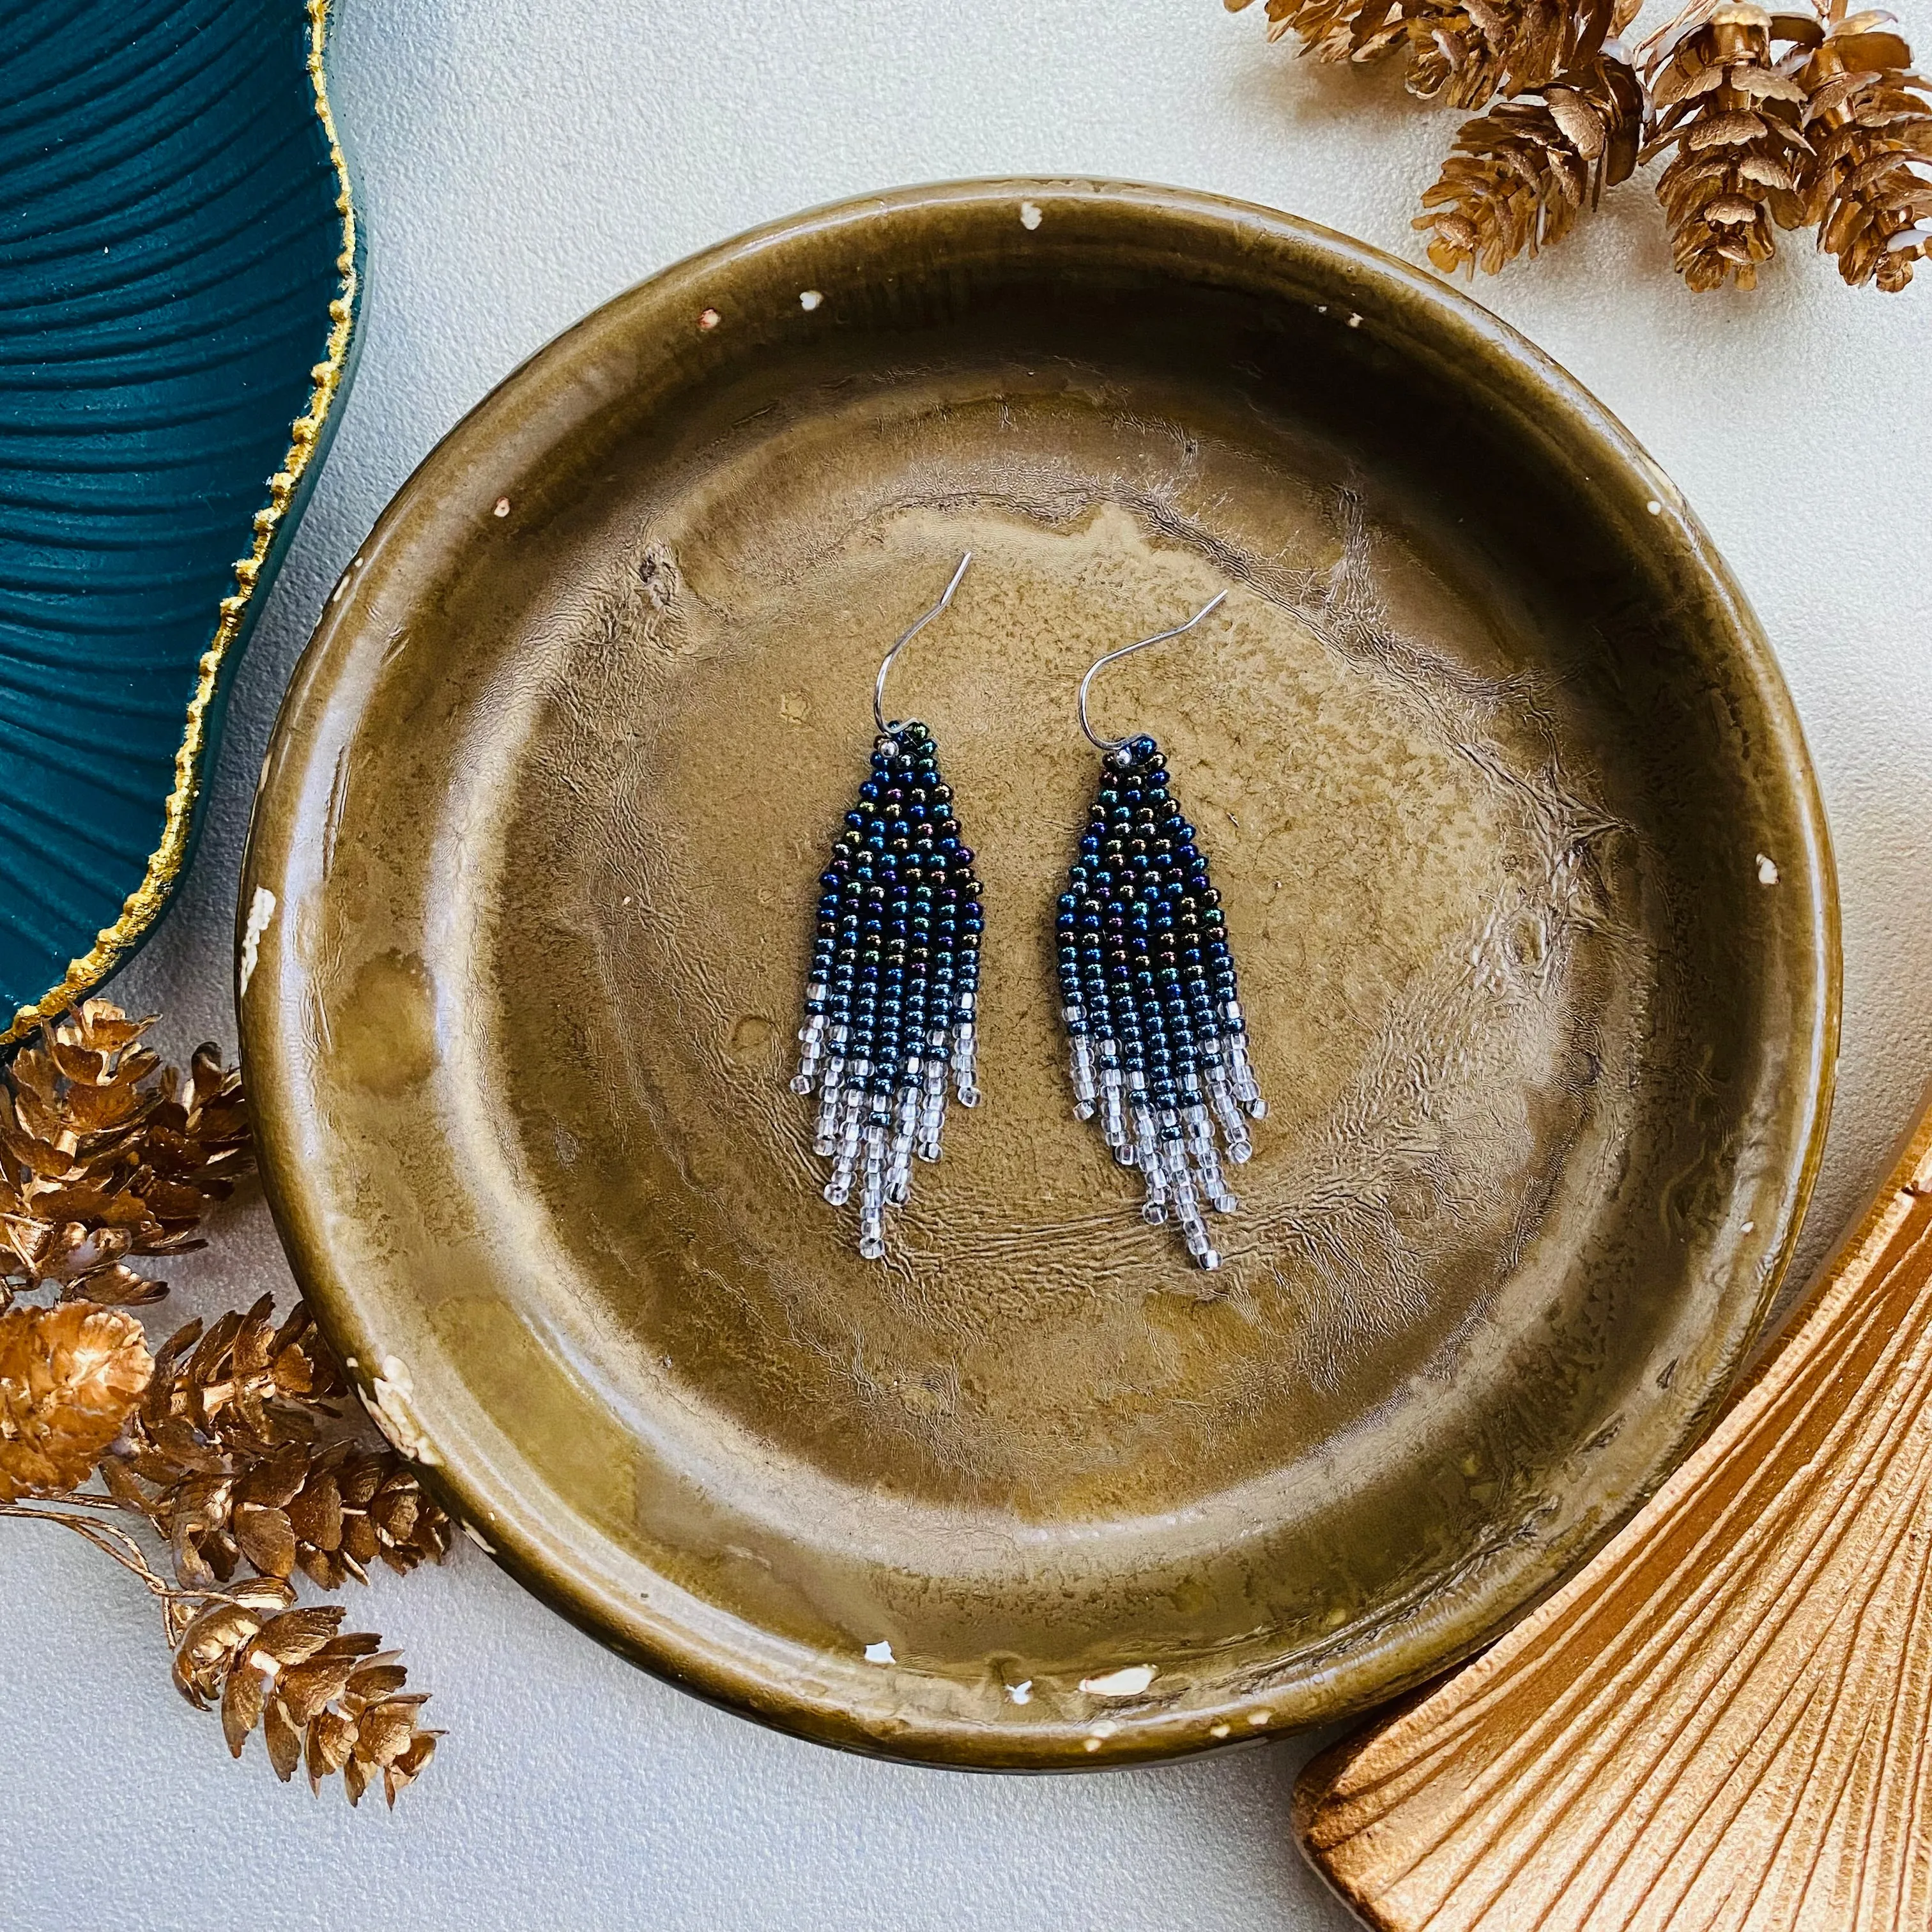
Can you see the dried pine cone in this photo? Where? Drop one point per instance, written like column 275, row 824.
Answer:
column 239, row 1453
column 1730, row 102
column 335, row 1702
column 1869, row 186
column 1465, row 52
column 70, row 1376
column 105, row 1153
column 1521, row 173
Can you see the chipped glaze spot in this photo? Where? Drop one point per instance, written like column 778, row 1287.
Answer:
column 1130, row 1682
column 809, row 299
column 1767, row 871
column 390, row 1400
column 1029, row 215
column 502, row 507
column 261, row 909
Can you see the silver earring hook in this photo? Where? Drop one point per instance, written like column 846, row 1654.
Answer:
column 879, row 688
column 1127, row 650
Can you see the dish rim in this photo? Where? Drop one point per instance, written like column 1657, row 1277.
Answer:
column 1472, row 341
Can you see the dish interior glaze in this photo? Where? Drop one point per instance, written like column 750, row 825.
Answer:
column 1521, row 857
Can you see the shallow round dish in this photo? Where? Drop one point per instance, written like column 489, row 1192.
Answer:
column 1522, row 861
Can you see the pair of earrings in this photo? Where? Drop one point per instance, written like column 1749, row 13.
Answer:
column 1157, row 1046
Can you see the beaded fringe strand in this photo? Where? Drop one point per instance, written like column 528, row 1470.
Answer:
column 1158, row 1048
column 894, row 985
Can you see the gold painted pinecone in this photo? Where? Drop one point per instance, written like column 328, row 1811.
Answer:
column 105, row 1153
column 239, row 1453
column 1725, row 91
column 1521, row 173
column 1869, row 119
column 70, row 1376
column 331, row 1702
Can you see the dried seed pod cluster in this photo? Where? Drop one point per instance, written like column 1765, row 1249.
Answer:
column 1763, row 120
column 322, row 1699
column 1464, row 52
column 105, row 1154
column 1521, row 173
column 70, row 1377
column 238, row 1453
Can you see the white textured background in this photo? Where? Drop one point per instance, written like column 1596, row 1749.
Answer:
column 519, row 161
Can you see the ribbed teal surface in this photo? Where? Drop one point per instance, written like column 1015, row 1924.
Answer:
column 168, row 244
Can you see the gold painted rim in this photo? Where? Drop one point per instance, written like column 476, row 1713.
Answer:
column 144, row 904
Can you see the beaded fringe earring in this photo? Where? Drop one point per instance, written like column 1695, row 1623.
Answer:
column 1153, row 1017
column 890, row 998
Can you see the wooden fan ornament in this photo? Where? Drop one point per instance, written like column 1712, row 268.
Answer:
column 1722, row 1722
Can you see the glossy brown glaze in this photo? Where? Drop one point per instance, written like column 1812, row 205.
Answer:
column 1523, row 865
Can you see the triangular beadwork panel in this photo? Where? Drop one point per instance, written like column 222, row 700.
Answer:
column 1159, row 1048
column 890, row 999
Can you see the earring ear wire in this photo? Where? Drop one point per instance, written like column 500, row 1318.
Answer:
column 906, row 637
column 1099, row 743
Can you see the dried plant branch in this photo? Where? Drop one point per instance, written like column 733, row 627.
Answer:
column 105, row 1154
column 1522, row 174
column 329, row 1701
column 112, row 1541
column 1869, row 118
column 237, row 1443
column 231, row 1445
column 1465, row 53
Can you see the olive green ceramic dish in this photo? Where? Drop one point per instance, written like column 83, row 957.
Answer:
column 1522, row 858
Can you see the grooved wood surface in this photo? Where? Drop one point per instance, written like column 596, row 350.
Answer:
column 1723, row 1722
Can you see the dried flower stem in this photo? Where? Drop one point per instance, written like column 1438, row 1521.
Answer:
column 119, row 1546
column 1766, row 119
column 337, row 1701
